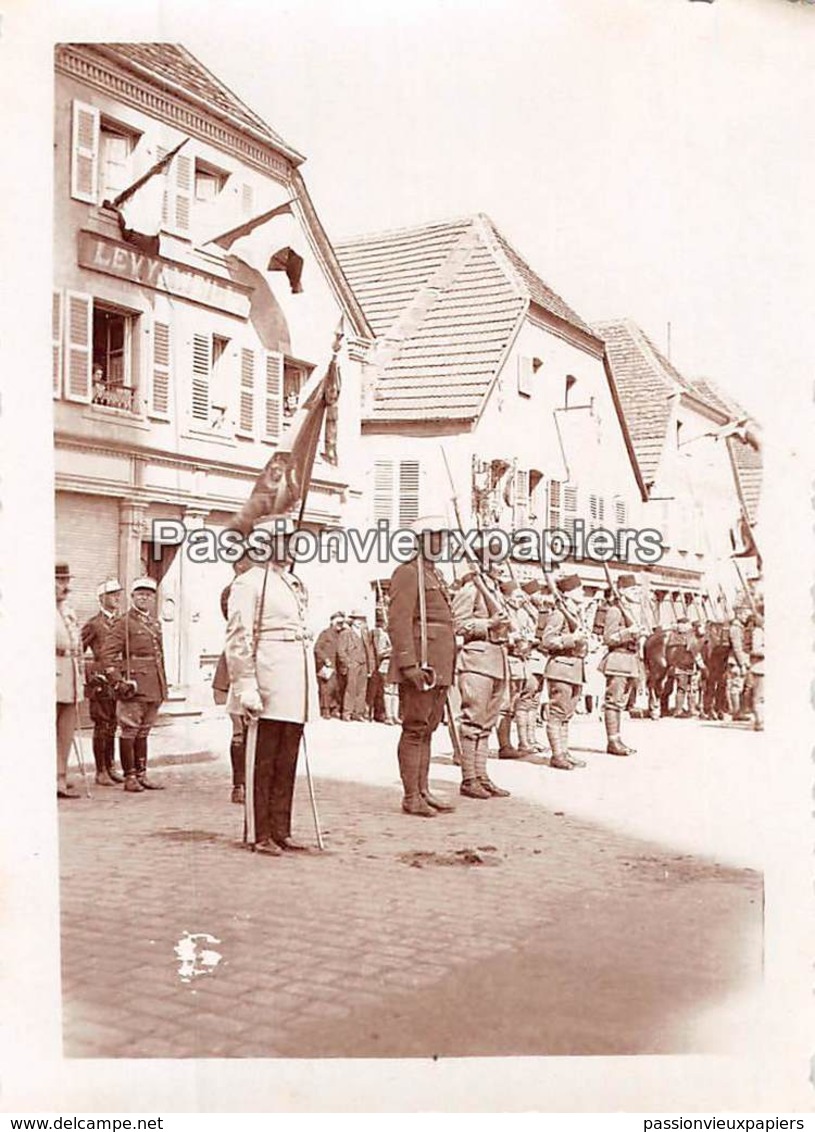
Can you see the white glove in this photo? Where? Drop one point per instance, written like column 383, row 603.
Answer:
column 251, row 703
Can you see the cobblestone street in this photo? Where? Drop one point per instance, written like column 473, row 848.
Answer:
column 583, row 915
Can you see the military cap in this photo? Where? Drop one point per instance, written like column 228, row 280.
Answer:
column 339, row 613
column 109, row 586
column 430, row 523
column 531, row 587
column 144, row 584
column 625, row 581
column 358, row 615
column 569, row 582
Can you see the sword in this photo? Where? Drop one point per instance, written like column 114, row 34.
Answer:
column 311, row 794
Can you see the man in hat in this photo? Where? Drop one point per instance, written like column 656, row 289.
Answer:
column 422, row 663
column 740, row 686
column 68, row 653
column 622, row 632
column 483, row 622
column 565, row 638
column 681, row 653
column 522, row 705
column 98, row 689
column 355, row 662
column 220, row 691
column 133, row 659
column 325, row 657
column 273, row 683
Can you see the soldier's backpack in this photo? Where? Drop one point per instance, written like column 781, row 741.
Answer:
column 718, row 633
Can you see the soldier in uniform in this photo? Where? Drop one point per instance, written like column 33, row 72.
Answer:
column 273, row 683
column 747, row 663
column 133, row 659
column 220, row 689
column 565, row 639
column 523, row 705
column 621, row 666
column 98, row 688
column 482, row 621
column 422, row 663
column 681, row 653
column 355, row 662
column 68, row 652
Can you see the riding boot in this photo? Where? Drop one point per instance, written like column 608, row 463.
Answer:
column 128, row 757
column 140, row 750
column 410, row 754
column 424, row 787
column 555, row 733
column 110, row 759
column 503, row 730
column 470, row 785
column 102, row 776
column 482, row 777
column 237, row 756
column 615, row 744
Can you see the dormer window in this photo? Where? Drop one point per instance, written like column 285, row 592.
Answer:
column 209, row 181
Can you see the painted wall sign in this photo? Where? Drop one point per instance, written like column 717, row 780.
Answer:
column 99, row 253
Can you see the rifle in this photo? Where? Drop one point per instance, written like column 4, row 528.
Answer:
column 496, row 607
column 615, row 593
column 572, row 620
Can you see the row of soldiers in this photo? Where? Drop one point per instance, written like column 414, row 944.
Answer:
column 486, row 638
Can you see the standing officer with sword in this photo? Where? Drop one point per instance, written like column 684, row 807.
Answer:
column 273, row 683
column 423, row 656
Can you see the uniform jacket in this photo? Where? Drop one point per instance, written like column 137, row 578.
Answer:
column 565, row 662
column 355, row 650
column 282, row 672
column 471, row 616
column 68, row 653
column 622, row 643
column 139, row 635
column 747, row 642
column 403, row 623
column 382, row 650
column 524, row 626
column 325, row 650
column 94, row 634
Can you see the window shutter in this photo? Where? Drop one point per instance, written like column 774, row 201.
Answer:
column 569, row 507
column 183, row 176
column 525, row 376
column 408, row 492
column 161, row 371
column 555, row 515
column 166, row 218
column 619, row 511
column 201, row 371
column 521, row 509
column 593, row 511
column 273, row 396
column 78, row 339
column 84, row 152
column 56, row 342
column 247, row 200
column 383, row 490
column 246, row 406
column 601, row 510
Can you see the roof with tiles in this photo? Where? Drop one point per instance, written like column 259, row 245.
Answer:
column 174, row 64
column 445, row 301
column 747, row 464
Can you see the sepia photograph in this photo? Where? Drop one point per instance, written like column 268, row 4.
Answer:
column 424, row 437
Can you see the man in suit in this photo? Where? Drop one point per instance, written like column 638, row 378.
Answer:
column 133, row 659
column 422, row 662
column 621, row 666
column 565, row 639
column 325, row 657
column 482, row 621
column 355, row 661
column 68, row 693
column 99, row 691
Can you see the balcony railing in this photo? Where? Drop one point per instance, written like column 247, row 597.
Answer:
column 121, row 397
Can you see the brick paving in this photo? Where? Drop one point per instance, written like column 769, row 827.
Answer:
column 563, row 936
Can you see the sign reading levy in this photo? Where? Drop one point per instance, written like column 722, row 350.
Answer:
column 101, row 253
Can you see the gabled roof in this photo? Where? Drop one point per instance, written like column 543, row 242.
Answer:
column 174, row 67
column 747, row 467
column 445, row 301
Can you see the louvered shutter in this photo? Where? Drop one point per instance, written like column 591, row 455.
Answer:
column 201, row 373
column 56, row 342
column 593, row 512
column 272, row 395
column 555, row 499
column 78, row 340
column 84, row 152
column 601, row 510
column 383, row 490
column 619, row 511
column 161, row 373
column 182, row 173
column 408, row 492
column 521, row 509
column 569, row 508
column 246, row 406
column 525, row 376
column 247, row 200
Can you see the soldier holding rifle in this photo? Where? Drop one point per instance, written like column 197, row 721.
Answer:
column 565, row 639
column 622, row 636
column 422, row 662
